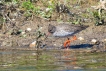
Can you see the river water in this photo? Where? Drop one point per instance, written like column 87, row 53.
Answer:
column 51, row 60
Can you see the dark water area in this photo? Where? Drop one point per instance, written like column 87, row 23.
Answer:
column 51, row 60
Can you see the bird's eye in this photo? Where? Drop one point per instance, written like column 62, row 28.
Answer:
column 50, row 30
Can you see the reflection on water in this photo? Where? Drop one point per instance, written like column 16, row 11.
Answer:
column 55, row 60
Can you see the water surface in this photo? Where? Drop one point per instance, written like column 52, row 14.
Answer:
column 51, row 60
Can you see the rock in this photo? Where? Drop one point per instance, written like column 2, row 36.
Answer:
column 28, row 29
column 104, row 40
column 94, row 41
column 81, row 38
column 48, row 9
column 32, row 45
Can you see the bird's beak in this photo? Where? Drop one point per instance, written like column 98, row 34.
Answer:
column 48, row 34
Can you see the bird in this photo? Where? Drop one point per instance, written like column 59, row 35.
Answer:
column 66, row 30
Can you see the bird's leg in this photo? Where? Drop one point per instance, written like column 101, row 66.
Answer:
column 74, row 38
column 68, row 41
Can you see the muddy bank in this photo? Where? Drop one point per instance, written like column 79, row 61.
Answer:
column 24, row 40
column 20, row 31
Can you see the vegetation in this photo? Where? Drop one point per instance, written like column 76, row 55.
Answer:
column 47, row 10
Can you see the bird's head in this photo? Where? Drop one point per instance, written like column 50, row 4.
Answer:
column 51, row 28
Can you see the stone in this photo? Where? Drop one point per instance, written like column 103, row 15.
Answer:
column 94, row 41
column 28, row 29
column 32, row 45
column 81, row 38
